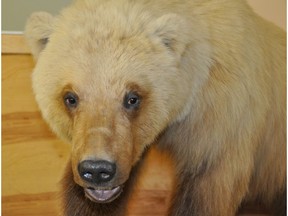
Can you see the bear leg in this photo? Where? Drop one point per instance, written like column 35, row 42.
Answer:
column 217, row 191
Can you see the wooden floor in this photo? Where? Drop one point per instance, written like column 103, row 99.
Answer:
column 33, row 159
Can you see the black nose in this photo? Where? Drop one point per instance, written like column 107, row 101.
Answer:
column 97, row 172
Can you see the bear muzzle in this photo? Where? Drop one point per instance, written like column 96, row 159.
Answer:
column 98, row 174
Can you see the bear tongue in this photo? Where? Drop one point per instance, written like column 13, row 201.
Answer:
column 103, row 196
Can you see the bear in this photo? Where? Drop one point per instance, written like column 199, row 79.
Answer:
column 202, row 80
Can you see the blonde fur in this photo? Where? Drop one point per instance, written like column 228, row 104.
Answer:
column 212, row 80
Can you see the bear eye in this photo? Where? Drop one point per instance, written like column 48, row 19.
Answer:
column 131, row 101
column 70, row 100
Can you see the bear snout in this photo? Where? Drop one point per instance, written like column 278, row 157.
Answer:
column 97, row 172
column 98, row 177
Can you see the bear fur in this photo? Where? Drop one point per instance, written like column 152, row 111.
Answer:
column 208, row 86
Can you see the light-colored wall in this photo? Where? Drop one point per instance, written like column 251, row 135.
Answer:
column 273, row 10
column 15, row 12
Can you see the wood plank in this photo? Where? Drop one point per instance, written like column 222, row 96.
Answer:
column 45, row 204
column 17, row 95
column 14, row 44
column 33, row 167
column 23, row 127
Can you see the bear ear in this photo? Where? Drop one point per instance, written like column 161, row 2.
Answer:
column 172, row 31
column 38, row 28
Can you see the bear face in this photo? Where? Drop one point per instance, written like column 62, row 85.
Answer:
column 109, row 86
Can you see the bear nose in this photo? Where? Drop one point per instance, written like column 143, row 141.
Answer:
column 97, row 172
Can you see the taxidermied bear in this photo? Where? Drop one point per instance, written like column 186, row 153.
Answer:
column 204, row 80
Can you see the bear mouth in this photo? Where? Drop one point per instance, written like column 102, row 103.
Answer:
column 103, row 195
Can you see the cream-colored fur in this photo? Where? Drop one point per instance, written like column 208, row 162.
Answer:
column 212, row 77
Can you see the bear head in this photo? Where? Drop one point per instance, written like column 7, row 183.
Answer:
column 110, row 79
